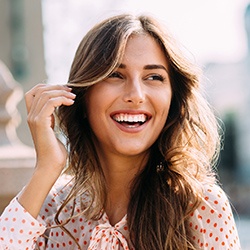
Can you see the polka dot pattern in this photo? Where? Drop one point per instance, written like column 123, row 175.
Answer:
column 18, row 229
column 212, row 225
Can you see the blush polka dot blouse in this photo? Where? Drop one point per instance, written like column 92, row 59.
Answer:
column 212, row 226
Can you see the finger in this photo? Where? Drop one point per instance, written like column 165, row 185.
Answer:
column 41, row 114
column 41, row 102
column 37, row 90
column 29, row 96
column 51, row 97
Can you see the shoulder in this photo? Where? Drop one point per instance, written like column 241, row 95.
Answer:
column 212, row 222
column 60, row 190
column 56, row 197
column 214, row 205
column 215, row 198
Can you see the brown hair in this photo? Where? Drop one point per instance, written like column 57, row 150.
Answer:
column 181, row 159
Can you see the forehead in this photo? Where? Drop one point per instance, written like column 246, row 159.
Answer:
column 144, row 48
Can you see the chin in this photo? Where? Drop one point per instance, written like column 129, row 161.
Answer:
column 133, row 151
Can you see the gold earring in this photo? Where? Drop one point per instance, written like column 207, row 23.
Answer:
column 160, row 167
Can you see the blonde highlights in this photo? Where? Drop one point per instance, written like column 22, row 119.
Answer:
column 188, row 146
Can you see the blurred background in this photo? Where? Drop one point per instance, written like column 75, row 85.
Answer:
column 38, row 40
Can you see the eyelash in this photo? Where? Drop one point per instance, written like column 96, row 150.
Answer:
column 154, row 77
column 115, row 74
column 157, row 78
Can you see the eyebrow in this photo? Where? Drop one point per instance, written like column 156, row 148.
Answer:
column 155, row 66
column 149, row 66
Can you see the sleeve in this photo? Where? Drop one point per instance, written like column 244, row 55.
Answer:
column 18, row 229
column 212, row 223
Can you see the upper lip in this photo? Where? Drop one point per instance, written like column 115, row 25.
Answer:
column 130, row 116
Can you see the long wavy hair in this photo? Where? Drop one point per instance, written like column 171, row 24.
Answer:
column 181, row 160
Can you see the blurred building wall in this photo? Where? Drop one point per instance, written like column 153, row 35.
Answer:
column 22, row 51
column 229, row 92
column 22, row 48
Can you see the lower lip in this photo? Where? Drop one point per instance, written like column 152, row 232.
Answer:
column 131, row 129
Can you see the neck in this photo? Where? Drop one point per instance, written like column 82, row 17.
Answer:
column 119, row 174
column 120, row 171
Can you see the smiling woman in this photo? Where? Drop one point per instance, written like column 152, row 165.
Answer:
column 142, row 144
column 135, row 89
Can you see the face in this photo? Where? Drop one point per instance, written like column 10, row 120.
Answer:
column 128, row 110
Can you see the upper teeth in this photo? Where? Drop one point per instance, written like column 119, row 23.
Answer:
column 130, row 117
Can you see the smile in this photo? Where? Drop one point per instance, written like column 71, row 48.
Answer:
column 130, row 120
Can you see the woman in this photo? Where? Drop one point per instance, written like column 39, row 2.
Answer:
column 142, row 144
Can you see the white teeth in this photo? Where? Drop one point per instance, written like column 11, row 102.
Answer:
column 130, row 117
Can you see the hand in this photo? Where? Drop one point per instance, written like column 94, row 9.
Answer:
column 41, row 102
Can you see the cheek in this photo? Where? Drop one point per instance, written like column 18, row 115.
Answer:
column 96, row 107
column 164, row 102
column 94, row 114
column 93, row 101
column 91, row 112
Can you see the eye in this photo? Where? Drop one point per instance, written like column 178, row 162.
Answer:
column 156, row 77
column 116, row 75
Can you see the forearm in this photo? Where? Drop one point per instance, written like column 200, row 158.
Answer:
column 35, row 192
column 41, row 102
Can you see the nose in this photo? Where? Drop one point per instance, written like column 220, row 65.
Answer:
column 134, row 92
